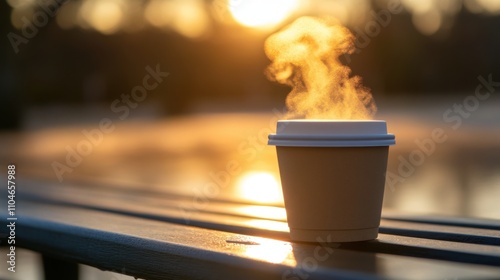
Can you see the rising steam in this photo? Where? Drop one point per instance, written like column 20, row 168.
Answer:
column 305, row 55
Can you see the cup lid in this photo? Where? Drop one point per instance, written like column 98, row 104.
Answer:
column 331, row 133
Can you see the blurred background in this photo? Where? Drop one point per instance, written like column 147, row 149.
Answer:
column 62, row 54
column 67, row 65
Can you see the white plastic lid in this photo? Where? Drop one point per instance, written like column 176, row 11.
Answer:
column 331, row 133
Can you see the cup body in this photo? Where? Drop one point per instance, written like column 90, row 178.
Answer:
column 333, row 177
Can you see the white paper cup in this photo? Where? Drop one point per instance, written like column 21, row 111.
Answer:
column 333, row 177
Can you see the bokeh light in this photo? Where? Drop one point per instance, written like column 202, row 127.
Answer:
column 192, row 18
column 106, row 16
column 261, row 13
column 490, row 6
column 187, row 17
column 428, row 22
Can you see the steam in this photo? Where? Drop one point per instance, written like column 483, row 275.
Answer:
column 305, row 55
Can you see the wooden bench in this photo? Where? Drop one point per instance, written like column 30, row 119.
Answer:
column 143, row 235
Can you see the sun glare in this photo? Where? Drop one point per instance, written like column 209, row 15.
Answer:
column 261, row 13
column 269, row 250
column 264, row 212
column 268, row 225
column 260, row 187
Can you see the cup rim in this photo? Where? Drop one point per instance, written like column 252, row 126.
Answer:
column 331, row 133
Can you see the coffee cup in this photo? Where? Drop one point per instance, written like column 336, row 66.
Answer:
column 333, row 176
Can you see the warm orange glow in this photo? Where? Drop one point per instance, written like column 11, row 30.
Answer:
column 264, row 212
column 191, row 20
column 261, row 13
column 491, row 6
column 191, row 17
column 426, row 15
column 260, row 187
column 187, row 17
column 427, row 23
column 106, row 16
column 156, row 13
column 269, row 250
column 419, row 6
column 268, row 225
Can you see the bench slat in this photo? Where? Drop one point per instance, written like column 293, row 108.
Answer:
column 453, row 246
column 478, row 223
column 226, row 220
column 158, row 250
column 441, row 232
